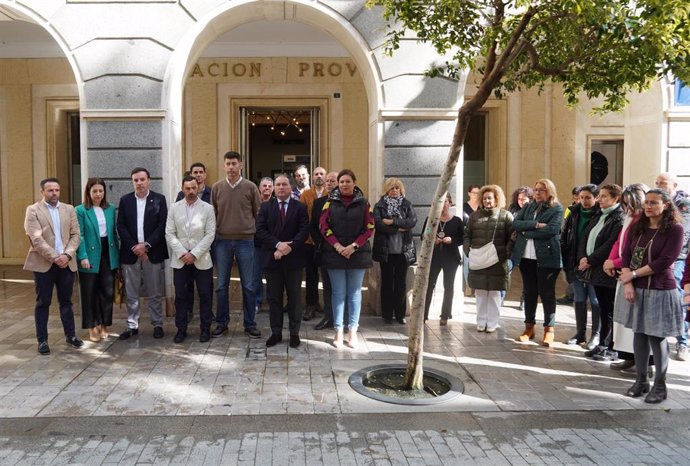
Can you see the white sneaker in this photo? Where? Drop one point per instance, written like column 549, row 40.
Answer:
column 491, row 329
column 682, row 352
column 481, row 328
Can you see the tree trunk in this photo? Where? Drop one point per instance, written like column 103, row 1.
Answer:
column 415, row 369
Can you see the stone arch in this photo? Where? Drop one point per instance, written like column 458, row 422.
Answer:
column 39, row 98
column 48, row 27
column 229, row 16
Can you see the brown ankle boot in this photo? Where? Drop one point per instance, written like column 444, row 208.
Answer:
column 549, row 336
column 528, row 334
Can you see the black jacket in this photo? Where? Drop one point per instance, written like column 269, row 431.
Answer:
column 569, row 238
column 407, row 221
column 155, row 216
column 346, row 223
column 602, row 246
column 270, row 229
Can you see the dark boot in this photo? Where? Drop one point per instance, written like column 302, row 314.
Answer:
column 658, row 392
column 594, row 340
column 580, row 325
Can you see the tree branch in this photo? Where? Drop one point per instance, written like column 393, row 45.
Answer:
column 499, row 15
column 511, row 52
column 536, row 66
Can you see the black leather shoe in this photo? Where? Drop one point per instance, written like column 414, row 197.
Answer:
column 273, row 340
column 294, row 341
column 325, row 323
column 74, row 341
column 594, row 351
column 219, row 331
column 205, row 335
column 637, row 389
column 402, row 321
column 622, row 365
column 309, row 312
column 158, row 332
column 606, row 355
column 43, row 347
column 180, row 336
column 658, row 392
column 130, row 332
column 253, row 332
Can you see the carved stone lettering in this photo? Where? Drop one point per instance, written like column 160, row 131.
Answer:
column 334, row 69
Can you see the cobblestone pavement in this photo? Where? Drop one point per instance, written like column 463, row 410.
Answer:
column 601, row 438
column 233, row 401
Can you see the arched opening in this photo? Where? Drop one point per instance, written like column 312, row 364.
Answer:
column 40, row 125
column 312, row 60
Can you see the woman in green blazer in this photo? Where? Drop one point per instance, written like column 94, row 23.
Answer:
column 98, row 257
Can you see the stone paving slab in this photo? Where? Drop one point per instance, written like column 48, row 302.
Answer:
column 233, row 375
column 606, row 437
column 232, row 401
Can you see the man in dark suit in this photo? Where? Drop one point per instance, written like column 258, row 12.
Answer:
column 282, row 226
column 141, row 226
column 53, row 232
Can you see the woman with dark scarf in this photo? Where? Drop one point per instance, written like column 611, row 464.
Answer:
column 394, row 219
column 571, row 238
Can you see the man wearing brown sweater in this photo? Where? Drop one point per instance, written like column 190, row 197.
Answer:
column 236, row 202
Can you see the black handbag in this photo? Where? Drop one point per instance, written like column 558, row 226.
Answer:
column 584, row 276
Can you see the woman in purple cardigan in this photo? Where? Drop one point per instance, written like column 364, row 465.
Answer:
column 650, row 304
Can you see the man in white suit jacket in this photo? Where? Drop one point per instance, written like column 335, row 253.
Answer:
column 189, row 231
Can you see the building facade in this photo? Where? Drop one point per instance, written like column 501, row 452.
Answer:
column 95, row 88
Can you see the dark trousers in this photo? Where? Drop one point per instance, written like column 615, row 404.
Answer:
column 63, row 280
column 311, row 277
column 393, row 289
column 539, row 282
column 659, row 346
column 606, row 297
column 449, row 264
column 97, row 293
column 184, row 280
column 289, row 281
column 327, row 305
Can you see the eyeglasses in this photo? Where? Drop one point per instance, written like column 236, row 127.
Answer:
column 474, row 192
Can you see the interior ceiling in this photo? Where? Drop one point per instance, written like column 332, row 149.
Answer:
column 19, row 38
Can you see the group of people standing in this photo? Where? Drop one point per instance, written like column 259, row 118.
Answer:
column 272, row 232
column 624, row 249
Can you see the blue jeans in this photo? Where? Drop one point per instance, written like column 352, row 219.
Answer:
column 582, row 291
column 678, row 268
column 346, row 285
column 225, row 251
column 257, row 283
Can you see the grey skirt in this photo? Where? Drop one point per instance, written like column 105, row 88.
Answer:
column 658, row 313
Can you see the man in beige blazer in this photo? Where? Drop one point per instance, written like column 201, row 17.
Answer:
column 53, row 232
column 189, row 231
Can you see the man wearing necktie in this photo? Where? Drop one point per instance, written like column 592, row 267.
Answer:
column 282, row 226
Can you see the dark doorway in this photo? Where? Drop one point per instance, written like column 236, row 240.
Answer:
column 279, row 139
